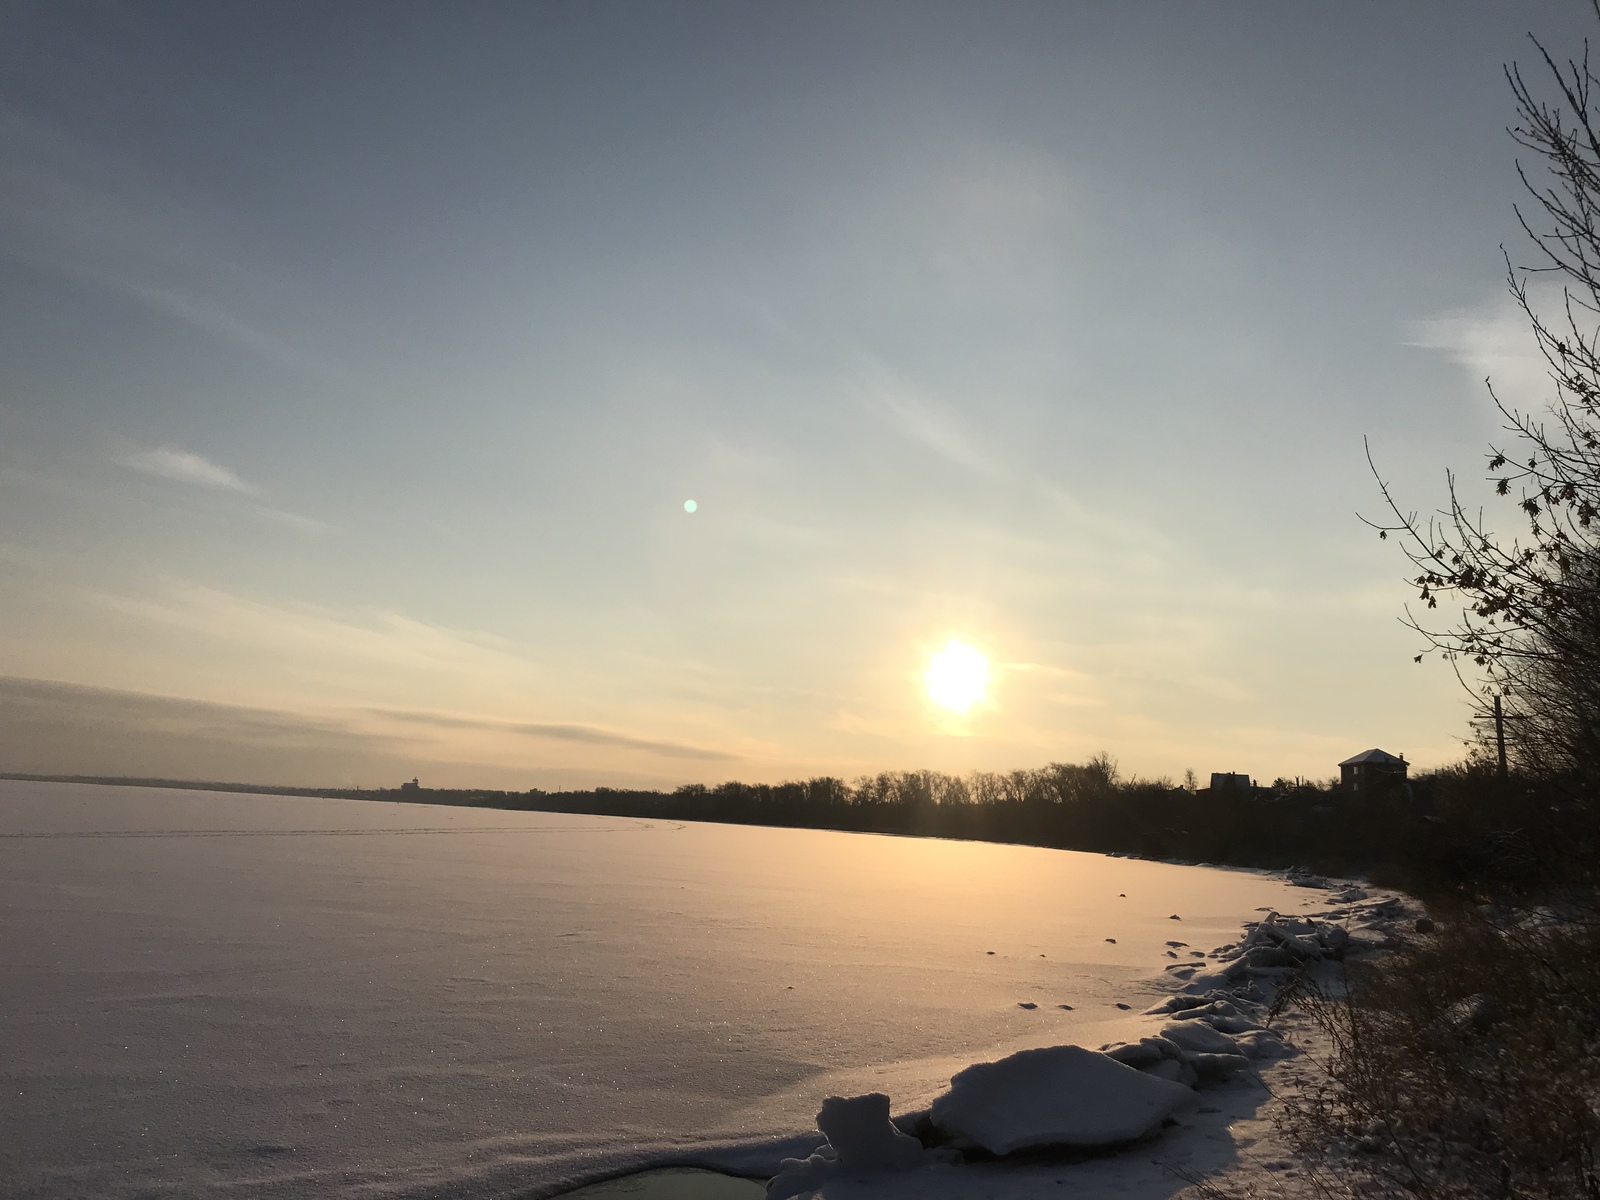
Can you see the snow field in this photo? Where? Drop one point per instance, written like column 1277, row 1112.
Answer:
column 281, row 996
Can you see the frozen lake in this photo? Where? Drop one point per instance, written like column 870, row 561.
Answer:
column 276, row 996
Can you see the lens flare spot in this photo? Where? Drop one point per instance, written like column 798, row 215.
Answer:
column 958, row 677
column 689, row 506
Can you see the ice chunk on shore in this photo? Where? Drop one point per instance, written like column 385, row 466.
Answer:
column 1220, row 1015
column 862, row 1135
column 1174, row 1069
column 1216, row 1066
column 1174, row 1003
column 1144, row 1053
column 1056, row 1096
column 797, row 1176
column 1199, row 1038
column 1262, row 1043
column 861, row 1141
column 1203, row 982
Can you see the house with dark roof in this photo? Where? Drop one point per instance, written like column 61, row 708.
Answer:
column 1230, row 781
column 1369, row 768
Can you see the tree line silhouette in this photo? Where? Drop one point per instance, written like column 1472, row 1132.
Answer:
column 1462, row 827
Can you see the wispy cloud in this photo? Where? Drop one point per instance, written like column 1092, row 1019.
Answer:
column 183, row 466
column 1493, row 342
column 923, row 417
column 71, row 205
column 586, row 734
column 359, row 644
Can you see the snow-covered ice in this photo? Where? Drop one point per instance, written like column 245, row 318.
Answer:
column 280, row 996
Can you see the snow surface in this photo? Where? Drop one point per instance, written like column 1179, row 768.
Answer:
column 277, row 996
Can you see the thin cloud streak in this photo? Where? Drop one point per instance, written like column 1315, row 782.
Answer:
column 183, row 466
column 586, row 734
column 75, row 207
column 923, row 418
column 1493, row 342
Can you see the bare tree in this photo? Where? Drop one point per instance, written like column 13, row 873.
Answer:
column 1530, row 604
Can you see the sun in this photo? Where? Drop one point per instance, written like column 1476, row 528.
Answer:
column 958, row 677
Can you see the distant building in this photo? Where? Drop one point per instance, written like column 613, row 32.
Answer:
column 1370, row 767
column 1226, row 781
column 413, row 786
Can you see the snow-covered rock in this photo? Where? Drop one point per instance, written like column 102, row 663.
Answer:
column 1057, row 1096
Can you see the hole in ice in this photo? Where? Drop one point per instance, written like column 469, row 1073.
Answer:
column 671, row 1183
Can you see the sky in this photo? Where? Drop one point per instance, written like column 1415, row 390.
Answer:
column 357, row 362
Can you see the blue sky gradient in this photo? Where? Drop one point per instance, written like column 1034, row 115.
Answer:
column 356, row 362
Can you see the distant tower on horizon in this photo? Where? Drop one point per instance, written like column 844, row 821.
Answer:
column 1369, row 767
column 413, row 786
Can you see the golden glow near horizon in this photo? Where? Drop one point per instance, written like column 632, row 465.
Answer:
column 958, row 677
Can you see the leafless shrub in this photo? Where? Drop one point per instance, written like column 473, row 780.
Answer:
column 1463, row 1065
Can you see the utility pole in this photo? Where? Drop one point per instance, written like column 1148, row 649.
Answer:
column 1500, row 736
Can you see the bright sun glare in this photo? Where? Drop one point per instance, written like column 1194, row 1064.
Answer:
column 958, row 676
